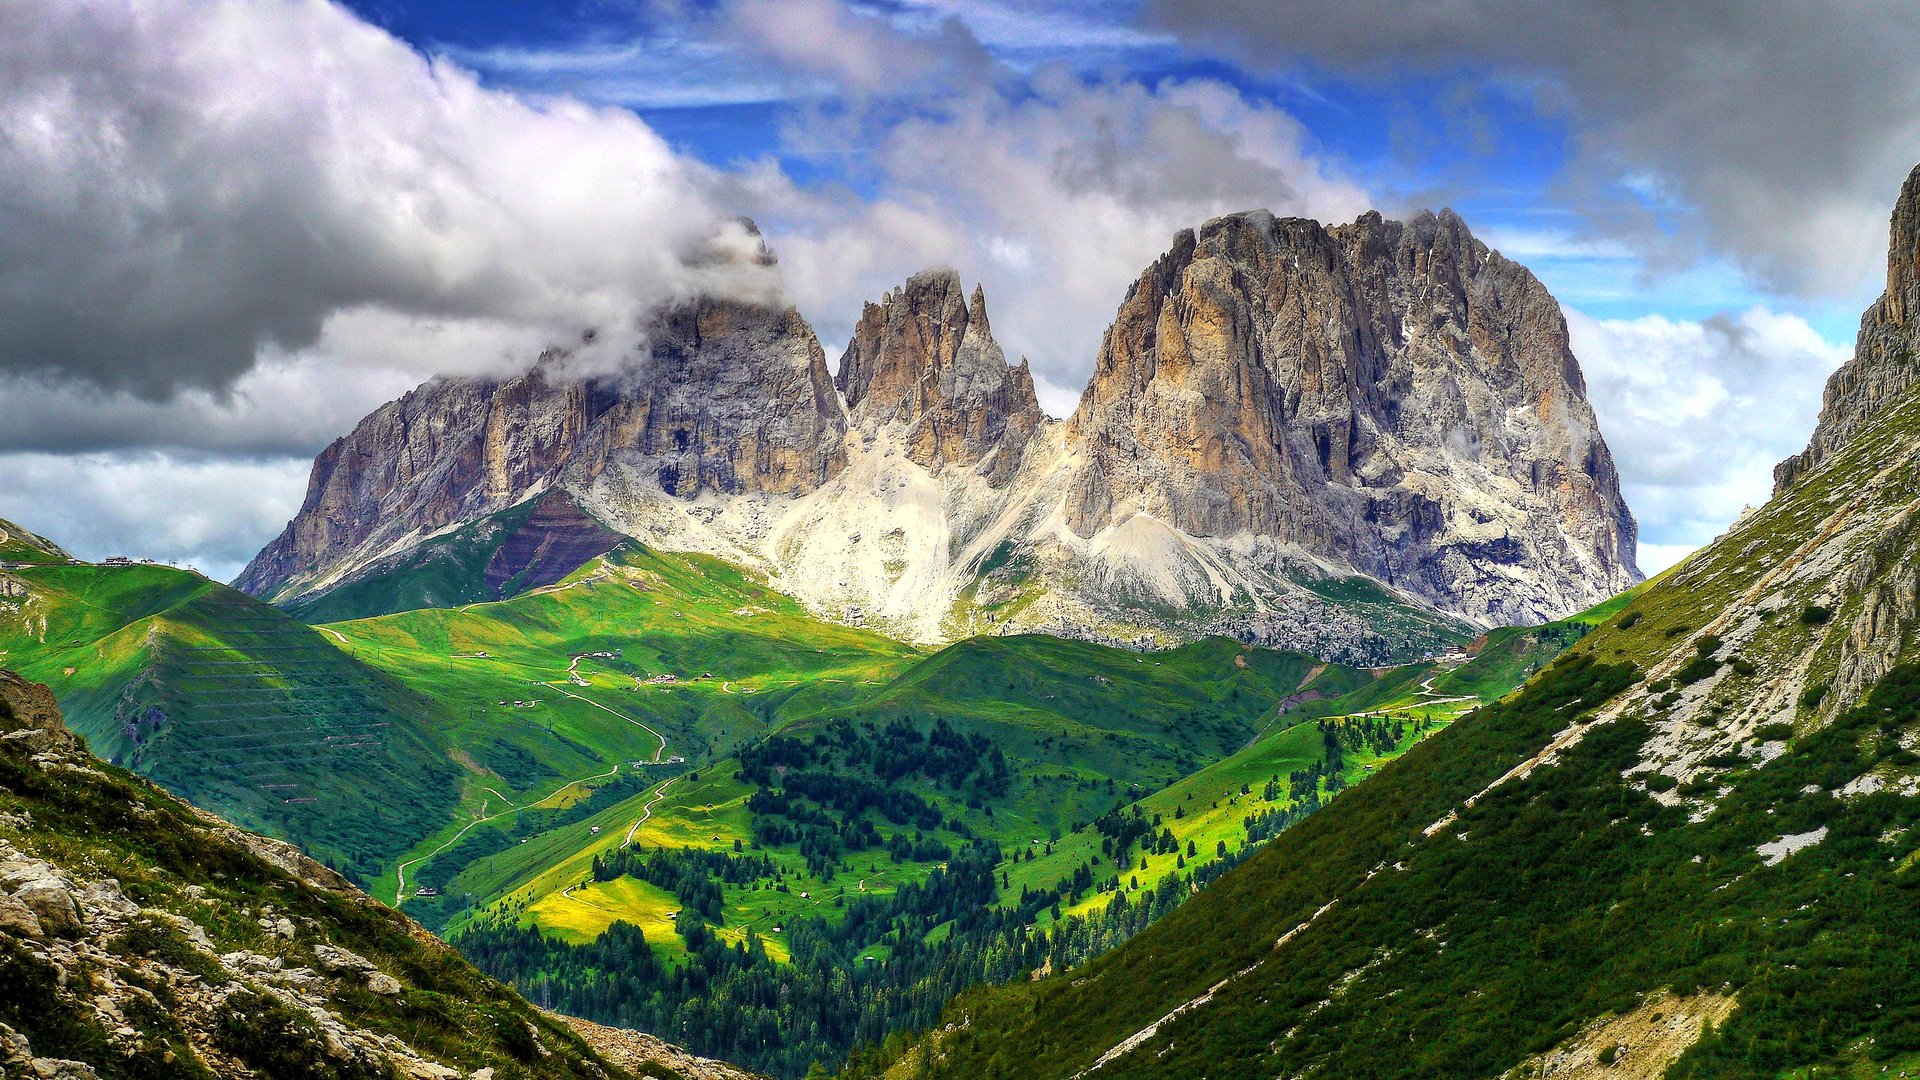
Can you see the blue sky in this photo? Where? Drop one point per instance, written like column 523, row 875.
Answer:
column 426, row 186
column 1456, row 138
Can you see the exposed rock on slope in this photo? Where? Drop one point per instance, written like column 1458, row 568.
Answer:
column 142, row 937
column 1394, row 398
column 924, row 360
column 1883, row 364
column 1364, row 441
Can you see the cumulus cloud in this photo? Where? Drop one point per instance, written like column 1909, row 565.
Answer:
column 210, row 513
column 1054, row 190
column 187, row 184
column 1697, row 413
column 1781, row 131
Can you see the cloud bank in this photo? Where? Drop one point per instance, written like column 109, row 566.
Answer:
column 188, row 184
column 1773, row 132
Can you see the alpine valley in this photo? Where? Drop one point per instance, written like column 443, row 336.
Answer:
column 766, row 709
column 734, row 660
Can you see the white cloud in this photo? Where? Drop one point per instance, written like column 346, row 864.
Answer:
column 209, row 513
column 1697, row 413
column 1657, row 557
column 188, row 183
column 1056, row 199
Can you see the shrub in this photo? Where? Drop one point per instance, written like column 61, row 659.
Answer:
column 1811, row 697
column 1629, row 620
column 1816, row 615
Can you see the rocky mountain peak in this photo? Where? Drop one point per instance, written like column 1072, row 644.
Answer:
column 1389, row 394
column 923, row 361
column 1884, row 364
column 733, row 399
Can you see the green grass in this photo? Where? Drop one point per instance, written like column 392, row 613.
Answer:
column 1086, row 728
column 1438, row 923
column 202, row 891
column 232, row 704
column 17, row 545
column 446, row 571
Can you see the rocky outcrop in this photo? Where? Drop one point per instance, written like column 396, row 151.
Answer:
column 1884, row 364
column 1365, row 441
column 227, row 954
column 640, row 1052
column 553, row 542
column 732, row 399
column 1395, row 398
column 924, row 360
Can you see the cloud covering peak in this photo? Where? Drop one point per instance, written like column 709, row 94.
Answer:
column 188, row 184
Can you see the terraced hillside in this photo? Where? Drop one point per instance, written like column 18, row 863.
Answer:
column 1686, row 848
column 233, row 705
column 140, row 937
column 536, row 543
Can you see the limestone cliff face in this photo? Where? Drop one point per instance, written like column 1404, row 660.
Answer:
column 1883, row 364
column 732, row 399
column 1364, row 441
column 924, row 360
column 1393, row 397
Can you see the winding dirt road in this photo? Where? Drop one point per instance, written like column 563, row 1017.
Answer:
column 659, row 754
column 400, row 872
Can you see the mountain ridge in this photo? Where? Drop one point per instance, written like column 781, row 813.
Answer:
column 1686, row 848
column 935, row 500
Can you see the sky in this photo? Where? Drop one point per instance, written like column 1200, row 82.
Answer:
column 229, row 230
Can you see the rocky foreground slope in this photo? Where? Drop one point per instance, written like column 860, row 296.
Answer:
column 1366, row 440
column 140, row 937
column 1690, row 847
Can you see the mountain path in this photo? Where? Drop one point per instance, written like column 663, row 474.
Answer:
column 400, row 871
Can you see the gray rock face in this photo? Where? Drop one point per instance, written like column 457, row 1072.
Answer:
column 733, row 399
column 924, row 360
column 1394, row 397
column 1280, row 412
column 1884, row 364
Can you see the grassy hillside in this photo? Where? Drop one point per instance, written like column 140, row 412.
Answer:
column 1686, row 848
column 232, row 705
column 600, row 682
column 852, row 810
column 536, row 543
column 144, row 938
column 17, row 545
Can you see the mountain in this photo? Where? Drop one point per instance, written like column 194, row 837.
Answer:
column 232, row 704
column 1687, row 848
column 925, row 361
column 1394, row 398
column 140, row 937
column 1369, row 441
column 17, row 545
